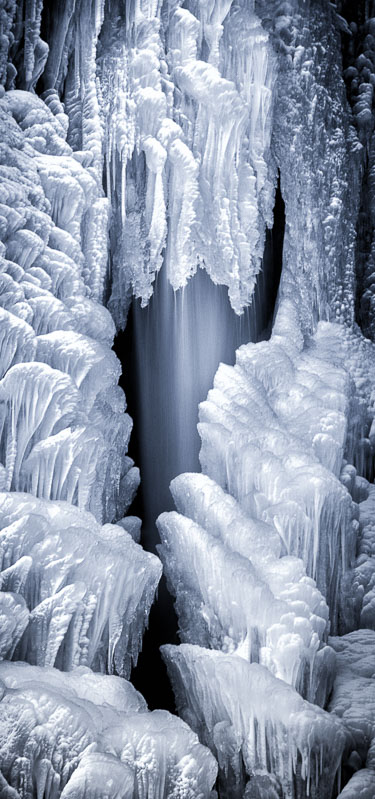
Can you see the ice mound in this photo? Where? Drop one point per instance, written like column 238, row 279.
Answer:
column 85, row 590
column 274, row 433
column 266, row 610
column 87, row 736
column 255, row 724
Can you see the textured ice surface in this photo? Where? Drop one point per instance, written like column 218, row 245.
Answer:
column 353, row 697
column 278, row 733
column 188, row 112
column 363, row 585
column 319, row 156
column 274, row 511
column 360, row 786
column 224, row 601
column 88, row 588
column 54, row 262
column 83, row 735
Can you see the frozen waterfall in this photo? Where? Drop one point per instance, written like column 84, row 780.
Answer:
column 187, row 399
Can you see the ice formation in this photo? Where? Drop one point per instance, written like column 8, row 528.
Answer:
column 142, row 136
column 280, row 521
column 278, row 733
column 82, row 735
column 75, row 588
column 88, row 588
column 263, row 535
column 167, row 158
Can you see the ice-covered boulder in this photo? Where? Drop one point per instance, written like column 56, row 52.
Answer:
column 85, row 590
column 83, row 735
column 53, row 222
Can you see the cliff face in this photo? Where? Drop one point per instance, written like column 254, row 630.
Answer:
column 138, row 137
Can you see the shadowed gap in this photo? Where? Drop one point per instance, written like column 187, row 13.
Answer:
column 170, row 352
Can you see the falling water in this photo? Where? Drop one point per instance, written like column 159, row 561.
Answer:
column 170, row 352
column 180, row 339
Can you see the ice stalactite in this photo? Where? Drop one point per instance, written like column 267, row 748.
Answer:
column 75, row 589
column 286, row 444
column 166, row 161
column 46, row 214
column 77, row 615
column 63, row 425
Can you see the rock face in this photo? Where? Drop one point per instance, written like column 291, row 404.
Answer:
column 144, row 135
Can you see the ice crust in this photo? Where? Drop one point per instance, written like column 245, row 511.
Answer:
column 83, row 735
column 87, row 588
column 279, row 733
column 50, row 203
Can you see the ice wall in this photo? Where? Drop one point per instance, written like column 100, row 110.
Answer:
column 75, row 588
column 176, row 118
column 273, row 527
column 63, row 428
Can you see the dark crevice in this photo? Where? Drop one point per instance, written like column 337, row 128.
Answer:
column 150, row 675
column 153, row 351
column 358, row 62
column 268, row 281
